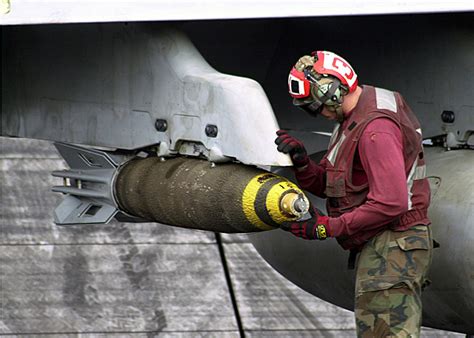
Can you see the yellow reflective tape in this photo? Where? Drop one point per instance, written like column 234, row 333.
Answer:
column 274, row 198
column 248, row 199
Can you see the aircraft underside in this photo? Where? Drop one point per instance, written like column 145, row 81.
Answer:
column 108, row 93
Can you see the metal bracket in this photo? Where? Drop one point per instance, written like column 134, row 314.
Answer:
column 458, row 126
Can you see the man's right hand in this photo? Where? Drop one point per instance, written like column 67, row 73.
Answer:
column 317, row 227
column 295, row 148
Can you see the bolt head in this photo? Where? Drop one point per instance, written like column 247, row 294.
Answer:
column 161, row 125
column 447, row 116
column 211, row 130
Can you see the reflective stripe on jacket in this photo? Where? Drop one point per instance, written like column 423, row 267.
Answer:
column 343, row 195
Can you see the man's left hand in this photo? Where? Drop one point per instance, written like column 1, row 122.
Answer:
column 317, row 227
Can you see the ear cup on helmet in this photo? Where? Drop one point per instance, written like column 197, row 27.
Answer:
column 327, row 90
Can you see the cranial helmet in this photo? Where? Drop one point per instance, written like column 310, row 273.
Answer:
column 321, row 79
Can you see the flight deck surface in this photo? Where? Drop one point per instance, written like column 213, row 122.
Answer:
column 136, row 279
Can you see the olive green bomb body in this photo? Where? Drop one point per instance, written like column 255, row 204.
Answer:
column 191, row 193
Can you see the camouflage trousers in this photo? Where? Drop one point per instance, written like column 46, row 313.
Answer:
column 391, row 272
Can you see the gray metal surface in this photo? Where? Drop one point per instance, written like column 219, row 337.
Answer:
column 95, row 100
column 459, row 131
column 88, row 186
column 452, row 213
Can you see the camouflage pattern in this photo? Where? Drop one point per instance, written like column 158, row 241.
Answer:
column 391, row 272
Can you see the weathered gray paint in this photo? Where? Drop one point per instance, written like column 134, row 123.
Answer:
column 113, row 278
column 114, row 288
column 111, row 83
column 87, row 186
column 115, row 80
column 288, row 307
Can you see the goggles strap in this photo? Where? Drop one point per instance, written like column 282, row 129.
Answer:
column 339, row 114
column 330, row 93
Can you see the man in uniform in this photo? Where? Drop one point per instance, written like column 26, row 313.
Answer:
column 373, row 176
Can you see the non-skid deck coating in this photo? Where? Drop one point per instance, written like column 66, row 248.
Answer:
column 138, row 280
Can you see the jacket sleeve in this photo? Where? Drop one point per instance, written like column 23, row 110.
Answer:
column 313, row 178
column 381, row 154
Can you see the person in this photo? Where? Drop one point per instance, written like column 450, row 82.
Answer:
column 373, row 177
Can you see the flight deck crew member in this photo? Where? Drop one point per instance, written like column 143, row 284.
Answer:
column 373, row 177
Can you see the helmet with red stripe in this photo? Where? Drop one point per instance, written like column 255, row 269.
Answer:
column 321, row 79
column 332, row 64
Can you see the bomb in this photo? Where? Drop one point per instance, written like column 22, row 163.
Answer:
column 192, row 193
